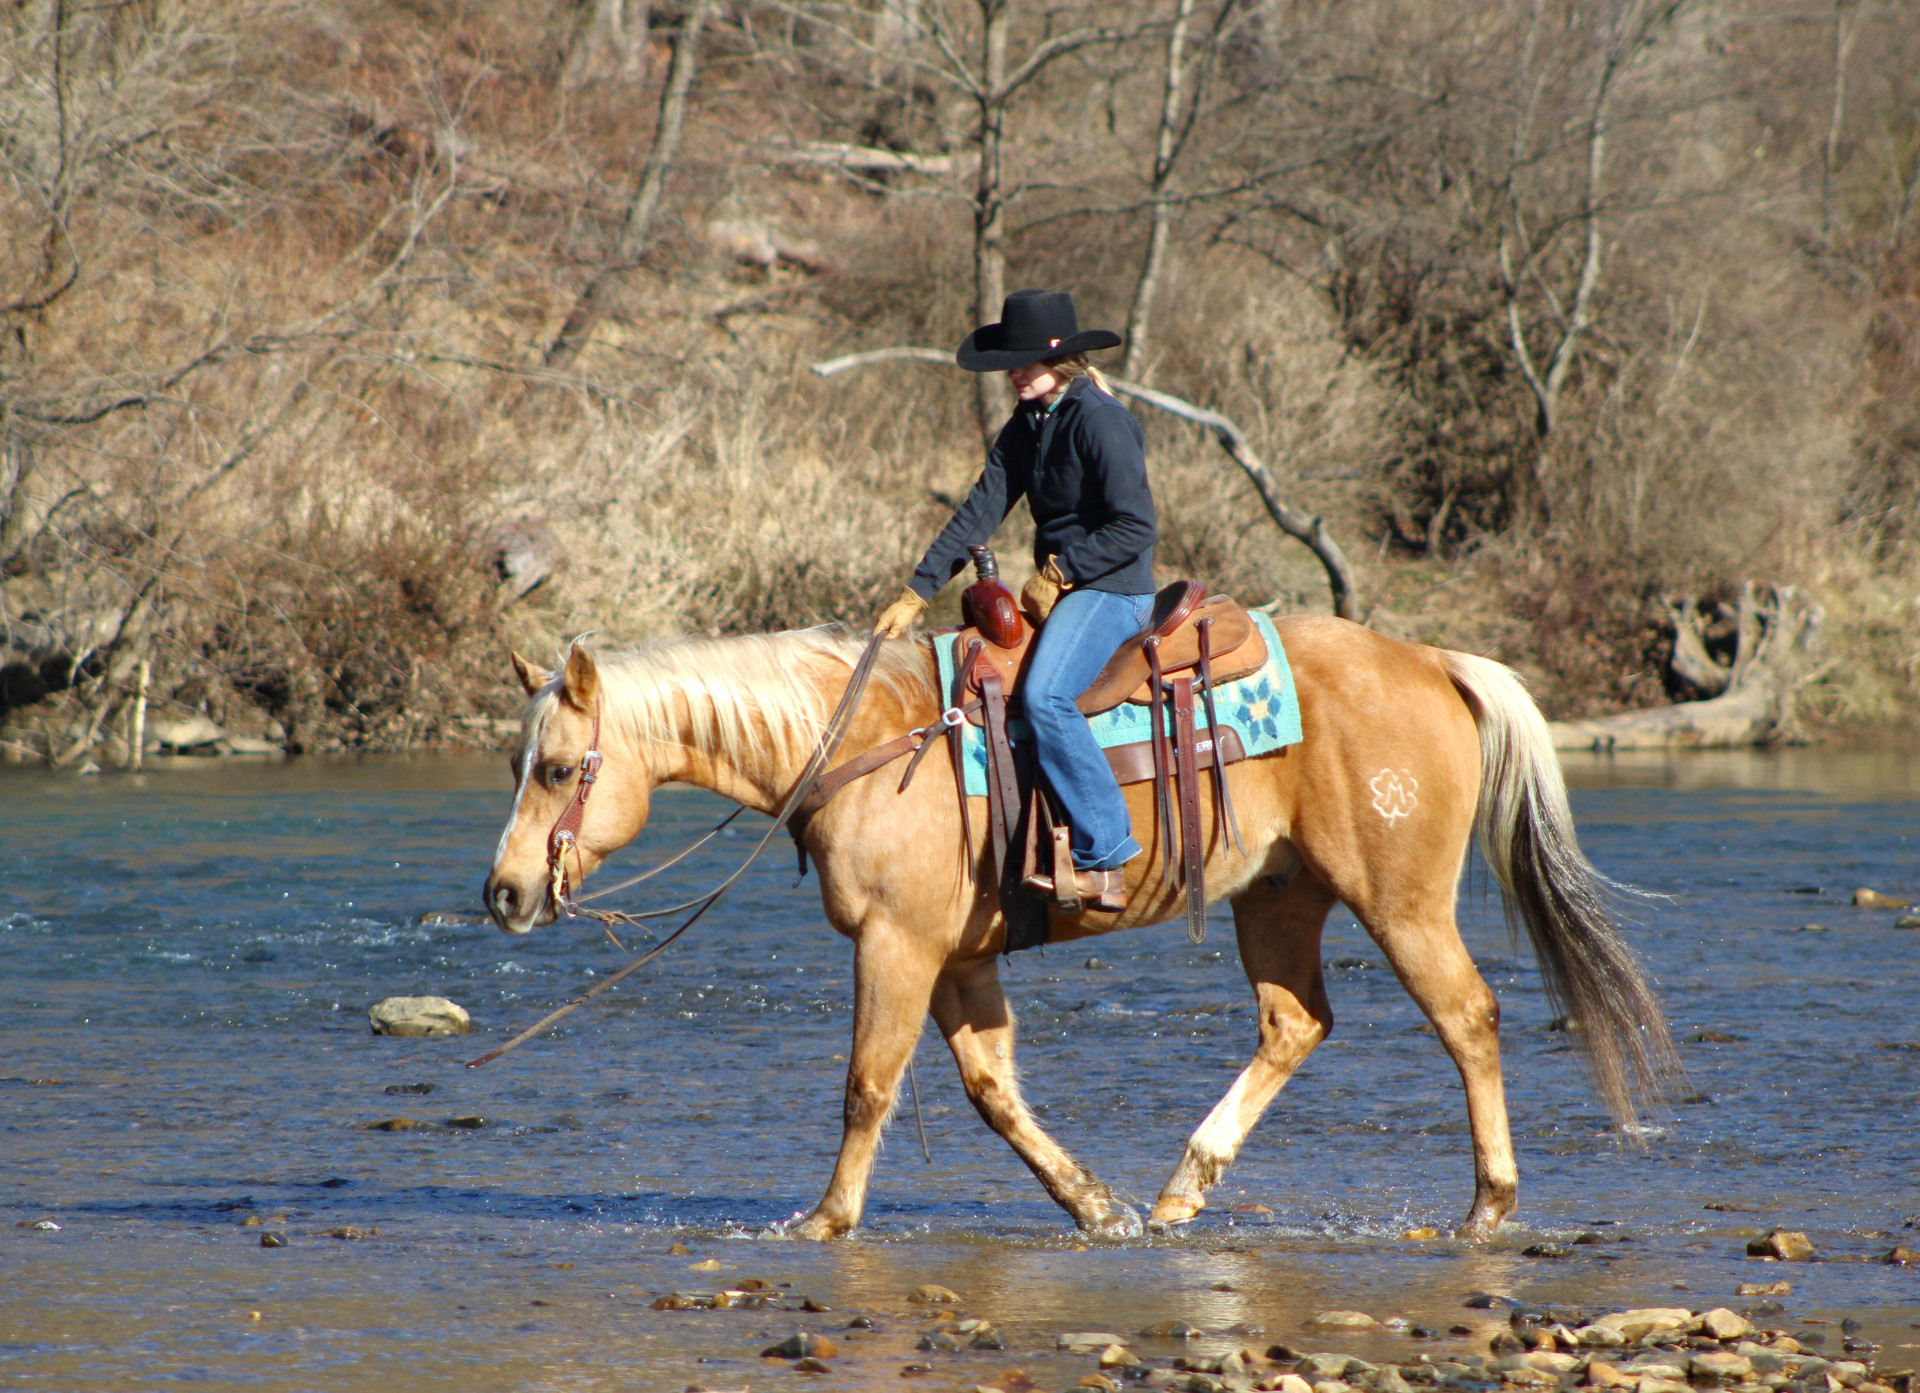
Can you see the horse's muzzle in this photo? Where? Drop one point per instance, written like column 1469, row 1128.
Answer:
column 514, row 911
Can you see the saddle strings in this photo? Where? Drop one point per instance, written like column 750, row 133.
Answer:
column 823, row 753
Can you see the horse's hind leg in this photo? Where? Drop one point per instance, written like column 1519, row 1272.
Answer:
column 972, row 1012
column 1279, row 933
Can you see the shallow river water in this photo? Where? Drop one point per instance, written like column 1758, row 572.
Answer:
column 191, row 953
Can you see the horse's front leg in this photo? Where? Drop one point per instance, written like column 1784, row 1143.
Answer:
column 892, row 980
column 972, row 1012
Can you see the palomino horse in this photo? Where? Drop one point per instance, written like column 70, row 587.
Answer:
column 1407, row 751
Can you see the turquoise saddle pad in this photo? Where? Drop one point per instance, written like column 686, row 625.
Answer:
column 1264, row 709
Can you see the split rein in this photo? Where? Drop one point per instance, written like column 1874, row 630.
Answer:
column 564, row 840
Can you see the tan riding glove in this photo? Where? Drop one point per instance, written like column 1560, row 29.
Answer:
column 898, row 617
column 1039, row 595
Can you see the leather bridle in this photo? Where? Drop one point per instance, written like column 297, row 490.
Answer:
column 564, row 836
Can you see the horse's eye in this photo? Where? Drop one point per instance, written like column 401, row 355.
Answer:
column 559, row 774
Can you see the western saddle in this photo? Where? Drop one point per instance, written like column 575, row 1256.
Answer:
column 1192, row 643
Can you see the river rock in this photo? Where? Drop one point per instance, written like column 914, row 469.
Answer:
column 1349, row 1320
column 1100, row 1383
column 939, row 1342
column 1118, row 1356
column 812, row 1364
column 1171, row 1330
column 1723, row 1324
column 271, row 1239
column 1786, row 1245
column 1601, row 1374
column 1873, row 899
column 419, row 1016
column 1902, row 1256
column 194, row 731
column 1633, row 1325
column 1907, row 921
column 1525, row 1376
column 1721, row 1365
column 1086, row 1341
column 932, row 1294
column 1764, row 1289
column 1290, row 1383
column 801, row 1345
column 1327, row 1365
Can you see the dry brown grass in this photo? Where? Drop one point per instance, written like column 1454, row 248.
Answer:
column 321, row 296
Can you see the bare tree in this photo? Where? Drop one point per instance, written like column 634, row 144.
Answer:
column 609, row 40
column 636, row 229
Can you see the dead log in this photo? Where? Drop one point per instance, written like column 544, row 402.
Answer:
column 1305, row 528
column 1776, row 639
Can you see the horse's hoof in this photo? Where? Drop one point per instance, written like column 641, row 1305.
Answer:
column 1479, row 1227
column 815, row 1228
column 1173, row 1210
column 1119, row 1222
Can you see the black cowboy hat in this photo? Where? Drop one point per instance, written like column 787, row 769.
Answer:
column 1034, row 325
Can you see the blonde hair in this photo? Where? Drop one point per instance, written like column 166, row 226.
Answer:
column 1072, row 367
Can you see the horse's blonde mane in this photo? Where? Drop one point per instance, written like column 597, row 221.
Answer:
column 745, row 698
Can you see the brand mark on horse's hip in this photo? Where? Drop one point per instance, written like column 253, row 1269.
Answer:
column 1396, row 793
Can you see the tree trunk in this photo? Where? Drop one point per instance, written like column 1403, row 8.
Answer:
column 636, row 231
column 610, row 41
column 1132, row 364
column 993, row 398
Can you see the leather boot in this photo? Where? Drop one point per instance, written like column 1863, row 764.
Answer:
column 1104, row 891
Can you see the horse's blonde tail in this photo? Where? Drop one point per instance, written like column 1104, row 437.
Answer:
column 1526, row 834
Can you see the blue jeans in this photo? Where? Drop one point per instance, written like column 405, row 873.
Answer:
column 1083, row 631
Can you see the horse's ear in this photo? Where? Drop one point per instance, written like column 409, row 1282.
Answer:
column 582, row 682
column 532, row 678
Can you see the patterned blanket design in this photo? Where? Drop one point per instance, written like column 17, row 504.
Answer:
column 1263, row 708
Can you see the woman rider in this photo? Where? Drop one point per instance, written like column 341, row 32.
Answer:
column 1076, row 454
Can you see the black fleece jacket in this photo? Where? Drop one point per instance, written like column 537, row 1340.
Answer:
column 1083, row 470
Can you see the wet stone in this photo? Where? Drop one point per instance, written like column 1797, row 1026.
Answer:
column 1350, row 1320
column 1171, row 1330
column 393, row 1124
column 939, row 1342
column 1864, row 898
column 1086, row 1341
column 1764, row 1289
column 1723, row 1324
column 471, row 1123
column 1901, row 1256
column 271, row 1239
column 1545, row 1250
column 1784, row 1245
column 932, row 1294
column 347, row 1233
column 417, row 1016
column 1487, row 1301
column 408, row 1088
column 810, row 1365
column 1720, row 1365
column 801, row 1345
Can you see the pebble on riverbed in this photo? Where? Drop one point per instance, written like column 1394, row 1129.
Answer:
column 1648, row 1350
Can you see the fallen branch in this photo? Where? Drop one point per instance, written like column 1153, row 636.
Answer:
column 866, row 159
column 1303, row 527
column 1778, row 636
